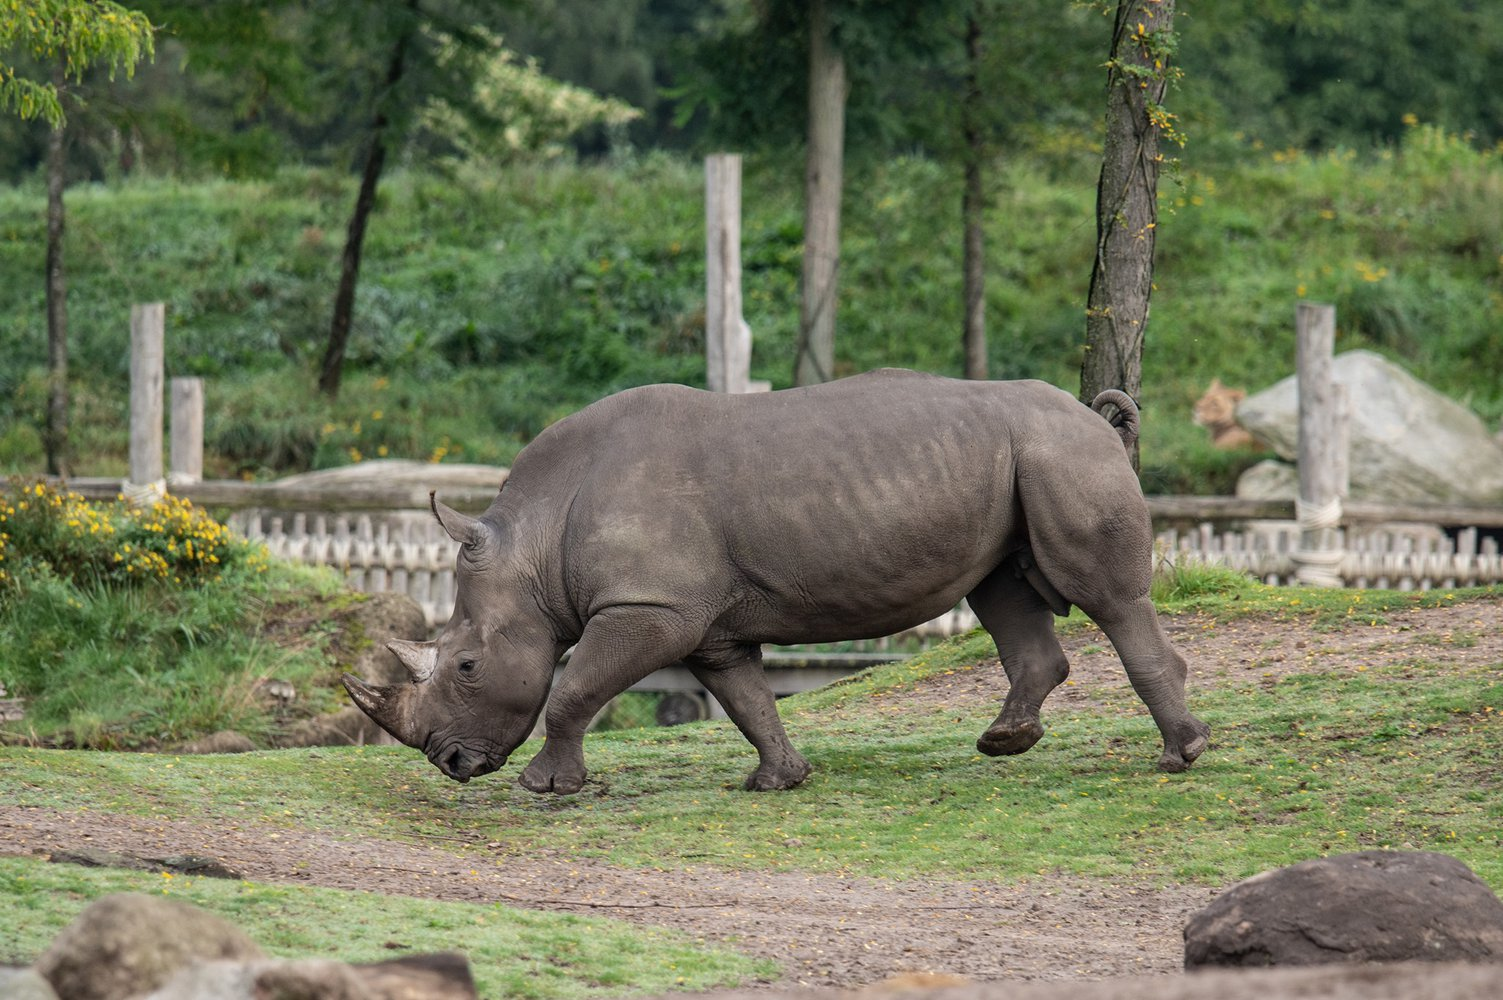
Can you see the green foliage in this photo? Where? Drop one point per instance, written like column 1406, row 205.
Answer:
column 493, row 304
column 81, row 33
column 526, row 954
column 1188, row 583
column 525, row 113
column 1341, row 73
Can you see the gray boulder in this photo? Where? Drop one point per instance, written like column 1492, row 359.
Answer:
column 24, row 984
column 444, row 976
column 1372, row 906
column 1409, row 443
column 130, row 943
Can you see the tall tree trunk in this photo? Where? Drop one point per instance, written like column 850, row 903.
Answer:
column 332, row 369
column 1126, row 204
column 822, row 187
column 973, row 206
column 55, row 439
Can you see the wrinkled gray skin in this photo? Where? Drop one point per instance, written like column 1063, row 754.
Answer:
column 669, row 524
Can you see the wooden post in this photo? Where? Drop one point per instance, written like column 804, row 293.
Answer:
column 727, row 337
column 1318, row 506
column 146, row 363
column 186, row 463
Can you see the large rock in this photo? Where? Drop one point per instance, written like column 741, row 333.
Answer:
column 376, row 618
column 129, row 943
column 1373, row 906
column 137, row 946
column 24, row 984
column 1409, row 444
column 444, row 976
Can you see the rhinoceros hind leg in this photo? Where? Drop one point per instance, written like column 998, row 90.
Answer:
column 733, row 674
column 1157, row 672
column 1022, row 625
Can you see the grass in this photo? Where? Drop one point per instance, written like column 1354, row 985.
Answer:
column 1392, row 756
column 512, row 953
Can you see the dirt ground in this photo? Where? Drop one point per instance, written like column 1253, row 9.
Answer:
column 830, row 930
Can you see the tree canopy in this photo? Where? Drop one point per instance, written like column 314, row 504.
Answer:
column 83, row 33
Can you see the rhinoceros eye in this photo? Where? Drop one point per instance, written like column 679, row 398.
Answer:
column 467, row 666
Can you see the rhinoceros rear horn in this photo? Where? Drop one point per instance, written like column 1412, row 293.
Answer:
column 464, row 529
column 387, row 706
column 419, row 658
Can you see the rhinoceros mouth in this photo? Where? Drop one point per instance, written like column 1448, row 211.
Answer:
column 463, row 763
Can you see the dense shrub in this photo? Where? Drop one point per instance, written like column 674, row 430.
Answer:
column 117, row 543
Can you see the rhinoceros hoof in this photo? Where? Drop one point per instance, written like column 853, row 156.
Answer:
column 543, row 780
column 1176, row 759
column 776, row 779
column 1004, row 740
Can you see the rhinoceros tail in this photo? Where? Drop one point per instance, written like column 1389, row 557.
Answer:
column 1121, row 411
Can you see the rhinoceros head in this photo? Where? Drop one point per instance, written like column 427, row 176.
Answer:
column 476, row 691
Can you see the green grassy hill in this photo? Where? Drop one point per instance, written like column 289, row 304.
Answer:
column 493, row 303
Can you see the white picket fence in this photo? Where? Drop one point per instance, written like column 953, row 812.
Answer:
column 407, row 551
column 404, row 551
column 1391, row 557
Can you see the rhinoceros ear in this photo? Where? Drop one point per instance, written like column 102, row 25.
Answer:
column 462, row 528
column 420, row 658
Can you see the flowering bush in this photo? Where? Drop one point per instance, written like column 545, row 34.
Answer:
column 115, row 543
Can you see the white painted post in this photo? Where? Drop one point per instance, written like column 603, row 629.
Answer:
column 727, row 336
column 186, row 465
column 1318, row 505
column 147, row 322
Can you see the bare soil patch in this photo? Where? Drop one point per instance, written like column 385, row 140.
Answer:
column 830, row 930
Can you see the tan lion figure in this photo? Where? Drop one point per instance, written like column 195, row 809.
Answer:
column 1217, row 412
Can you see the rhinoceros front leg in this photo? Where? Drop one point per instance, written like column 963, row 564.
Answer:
column 620, row 646
column 1022, row 625
column 733, row 674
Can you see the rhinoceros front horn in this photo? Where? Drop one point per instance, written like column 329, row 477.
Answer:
column 418, row 657
column 387, row 705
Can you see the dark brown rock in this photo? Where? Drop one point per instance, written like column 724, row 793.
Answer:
column 1373, row 906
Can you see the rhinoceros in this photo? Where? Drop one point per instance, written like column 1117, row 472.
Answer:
column 667, row 524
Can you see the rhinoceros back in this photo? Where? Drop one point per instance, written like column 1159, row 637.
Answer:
column 857, row 507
